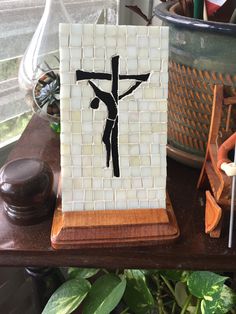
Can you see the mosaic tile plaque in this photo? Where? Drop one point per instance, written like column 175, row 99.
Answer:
column 113, row 116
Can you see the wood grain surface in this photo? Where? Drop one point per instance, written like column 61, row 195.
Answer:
column 109, row 228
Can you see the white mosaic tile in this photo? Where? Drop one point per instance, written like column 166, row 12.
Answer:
column 138, row 178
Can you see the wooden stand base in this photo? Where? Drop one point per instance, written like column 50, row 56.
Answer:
column 109, row 228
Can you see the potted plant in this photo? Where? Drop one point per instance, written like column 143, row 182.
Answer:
column 201, row 54
column 136, row 291
column 46, row 97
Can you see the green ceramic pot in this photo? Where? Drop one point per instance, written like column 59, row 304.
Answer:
column 201, row 54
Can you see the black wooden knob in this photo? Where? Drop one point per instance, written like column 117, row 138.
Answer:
column 26, row 189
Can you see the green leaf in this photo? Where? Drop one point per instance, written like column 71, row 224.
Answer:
column 104, row 295
column 227, row 300
column 210, row 306
column 176, row 275
column 180, row 293
column 74, row 272
column 67, row 297
column 204, row 284
column 56, row 127
column 137, row 294
column 221, row 304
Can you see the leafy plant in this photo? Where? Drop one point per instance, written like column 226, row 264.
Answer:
column 50, row 89
column 47, row 91
column 68, row 297
column 95, row 291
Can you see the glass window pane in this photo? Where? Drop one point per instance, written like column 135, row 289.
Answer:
column 18, row 21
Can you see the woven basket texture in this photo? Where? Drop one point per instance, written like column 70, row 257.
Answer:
column 190, row 98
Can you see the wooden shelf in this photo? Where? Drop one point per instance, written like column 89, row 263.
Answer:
column 30, row 245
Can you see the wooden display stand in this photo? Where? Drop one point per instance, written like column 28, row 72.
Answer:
column 109, row 228
column 219, row 182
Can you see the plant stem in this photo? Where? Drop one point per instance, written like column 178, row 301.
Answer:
column 198, row 306
column 124, row 311
column 160, row 305
column 186, row 304
column 166, row 281
column 159, row 301
column 105, row 271
column 173, row 308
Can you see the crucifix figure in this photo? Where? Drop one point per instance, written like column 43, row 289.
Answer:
column 111, row 99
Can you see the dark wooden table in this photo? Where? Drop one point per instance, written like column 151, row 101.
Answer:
column 30, row 245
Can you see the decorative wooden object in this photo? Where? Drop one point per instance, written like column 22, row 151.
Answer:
column 213, row 215
column 220, row 183
column 26, row 188
column 108, row 228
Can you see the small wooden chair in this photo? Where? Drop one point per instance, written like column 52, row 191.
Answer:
column 220, row 183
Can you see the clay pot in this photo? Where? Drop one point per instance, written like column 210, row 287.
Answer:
column 201, row 54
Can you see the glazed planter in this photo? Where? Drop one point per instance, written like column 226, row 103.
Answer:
column 201, row 54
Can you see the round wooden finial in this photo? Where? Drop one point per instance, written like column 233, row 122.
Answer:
column 26, row 189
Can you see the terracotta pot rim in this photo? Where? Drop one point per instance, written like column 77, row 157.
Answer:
column 162, row 11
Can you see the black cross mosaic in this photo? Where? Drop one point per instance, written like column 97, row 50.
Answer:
column 111, row 101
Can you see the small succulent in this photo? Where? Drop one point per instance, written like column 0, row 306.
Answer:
column 47, row 92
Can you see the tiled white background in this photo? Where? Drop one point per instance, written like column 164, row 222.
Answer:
column 86, row 183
